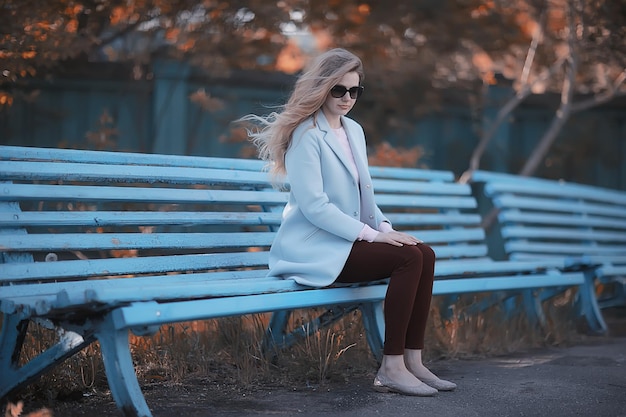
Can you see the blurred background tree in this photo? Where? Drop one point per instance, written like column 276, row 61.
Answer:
column 418, row 55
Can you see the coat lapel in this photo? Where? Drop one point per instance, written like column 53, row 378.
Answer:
column 333, row 143
column 359, row 157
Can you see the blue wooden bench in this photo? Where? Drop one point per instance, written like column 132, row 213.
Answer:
column 547, row 219
column 97, row 244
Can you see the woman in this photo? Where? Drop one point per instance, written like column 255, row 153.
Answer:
column 332, row 230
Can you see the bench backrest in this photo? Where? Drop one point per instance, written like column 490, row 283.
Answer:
column 541, row 218
column 102, row 215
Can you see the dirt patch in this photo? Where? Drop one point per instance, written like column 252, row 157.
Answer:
column 197, row 397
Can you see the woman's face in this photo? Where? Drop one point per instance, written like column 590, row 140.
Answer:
column 335, row 107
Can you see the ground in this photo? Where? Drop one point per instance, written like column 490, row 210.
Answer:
column 588, row 378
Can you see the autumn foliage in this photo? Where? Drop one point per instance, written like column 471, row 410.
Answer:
column 386, row 155
column 413, row 51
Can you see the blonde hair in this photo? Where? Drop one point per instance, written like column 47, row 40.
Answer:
column 275, row 131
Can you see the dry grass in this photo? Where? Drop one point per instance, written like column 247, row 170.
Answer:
column 230, row 349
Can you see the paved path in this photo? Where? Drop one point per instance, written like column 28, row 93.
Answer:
column 588, row 380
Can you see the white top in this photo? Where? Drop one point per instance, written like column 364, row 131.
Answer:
column 342, row 137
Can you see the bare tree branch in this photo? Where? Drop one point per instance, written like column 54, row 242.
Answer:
column 562, row 114
column 503, row 113
column 530, row 56
column 603, row 97
column 564, row 110
column 524, row 91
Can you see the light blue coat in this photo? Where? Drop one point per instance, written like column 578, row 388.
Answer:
column 327, row 206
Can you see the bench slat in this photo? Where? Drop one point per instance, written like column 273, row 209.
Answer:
column 37, row 192
column 434, row 219
column 515, row 215
column 126, row 241
column 120, row 295
column 130, row 266
column 554, row 233
column 613, row 271
column 550, row 189
column 564, row 248
column 52, row 288
column 412, row 174
column 433, row 237
column 461, row 251
column 25, row 153
column 69, row 172
column 388, row 200
column 565, row 206
column 137, row 218
column 414, row 187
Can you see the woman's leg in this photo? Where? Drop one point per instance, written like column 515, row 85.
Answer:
column 407, row 302
column 421, row 307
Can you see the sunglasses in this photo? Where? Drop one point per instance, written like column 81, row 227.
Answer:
column 339, row 91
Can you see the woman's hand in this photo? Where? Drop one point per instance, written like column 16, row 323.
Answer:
column 397, row 238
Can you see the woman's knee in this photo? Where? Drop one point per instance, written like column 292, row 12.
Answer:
column 427, row 252
column 412, row 255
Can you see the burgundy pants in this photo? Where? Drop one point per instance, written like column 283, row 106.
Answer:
column 407, row 302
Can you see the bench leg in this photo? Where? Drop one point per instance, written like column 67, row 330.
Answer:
column 447, row 307
column 120, row 370
column 589, row 305
column 277, row 336
column 503, row 300
column 12, row 337
column 11, row 341
column 374, row 323
column 372, row 315
column 534, row 308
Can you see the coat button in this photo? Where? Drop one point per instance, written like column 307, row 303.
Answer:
column 356, row 213
column 371, row 217
column 368, row 186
